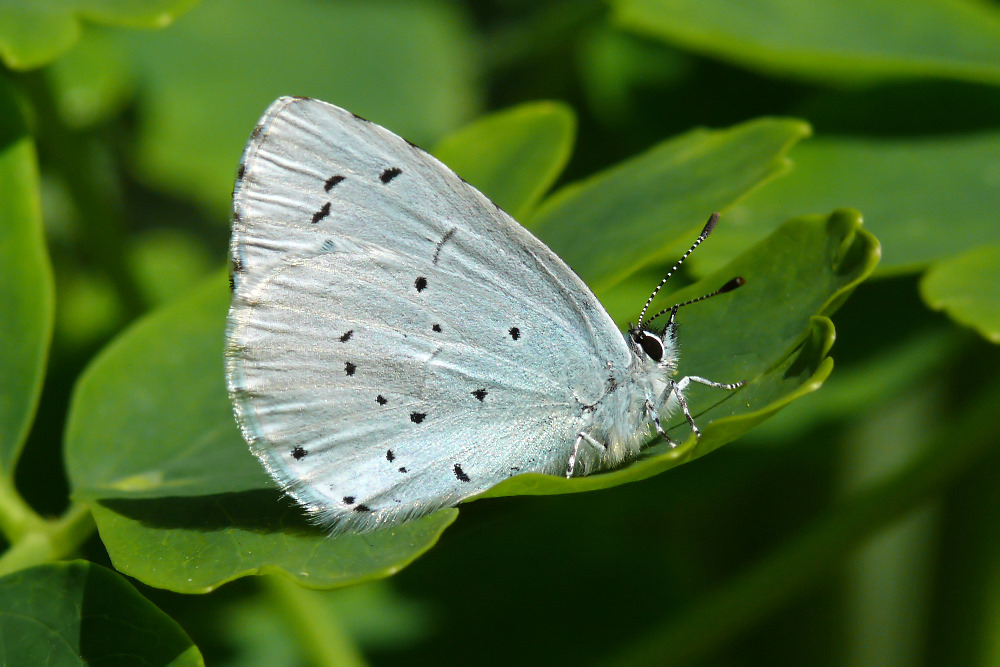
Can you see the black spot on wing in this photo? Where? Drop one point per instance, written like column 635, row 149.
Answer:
column 322, row 213
column 515, row 333
column 232, row 283
column 362, row 508
column 402, row 470
column 348, row 500
column 389, row 456
column 239, row 172
column 347, row 336
column 298, row 453
column 389, row 174
column 480, row 394
column 332, row 181
column 436, row 328
column 349, row 368
column 420, row 283
column 417, row 417
column 381, row 400
column 460, row 474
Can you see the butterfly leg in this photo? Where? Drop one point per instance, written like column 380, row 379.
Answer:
column 700, row 380
column 651, row 412
column 678, row 391
column 581, row 437
column 681, row 385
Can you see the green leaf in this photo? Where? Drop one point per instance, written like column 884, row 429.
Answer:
column 513, row 156
column 27, row 304
column 774, row 332
column 838, row 40
column 967, row 288
column 926, row 199
column 78, row 613
column 206, row 82
column 642, row 210
column 36, row 32
column 180, row 502
column 194, row 545
column 150, row 416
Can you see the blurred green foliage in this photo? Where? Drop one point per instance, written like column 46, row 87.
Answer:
column 858, row 526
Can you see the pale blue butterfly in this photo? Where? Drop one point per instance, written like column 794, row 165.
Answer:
column 397, row 343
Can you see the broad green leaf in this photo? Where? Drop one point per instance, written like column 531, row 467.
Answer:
column 774, row 332
column 838, row 40
column 926, row 199
column 611, row 224
column 194, row 545
column 513, row 156
column 150, row 416
column 27, row 293
column 36, row 32
column 180, row 502
column 78, row 613
column 407, row 66
column 967, row 288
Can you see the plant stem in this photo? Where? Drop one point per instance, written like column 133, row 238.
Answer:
column 16, row 517
column 50, row 540
column 716, row 618
column 316, row 623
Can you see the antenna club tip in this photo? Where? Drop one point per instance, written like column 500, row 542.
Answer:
column 738, row 281
column 710, row 225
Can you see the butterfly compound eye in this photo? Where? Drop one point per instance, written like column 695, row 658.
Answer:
column 650, row 344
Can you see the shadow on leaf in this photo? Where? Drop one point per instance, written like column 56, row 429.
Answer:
column 257, row 511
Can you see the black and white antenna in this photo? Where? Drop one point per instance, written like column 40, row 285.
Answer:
column 738, row 281
column 728, row 287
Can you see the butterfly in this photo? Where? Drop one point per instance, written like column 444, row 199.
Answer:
column 397, row 343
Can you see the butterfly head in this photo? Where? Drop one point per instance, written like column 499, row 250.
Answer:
column 651, row 345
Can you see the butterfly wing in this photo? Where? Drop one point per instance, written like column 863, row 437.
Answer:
column 396, row 342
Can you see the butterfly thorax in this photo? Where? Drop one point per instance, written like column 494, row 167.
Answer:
column 621, row 419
